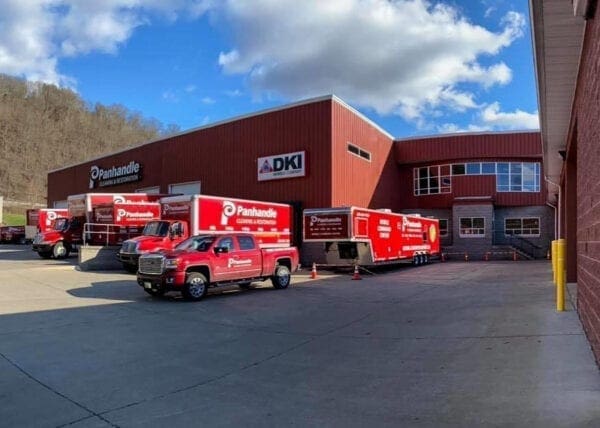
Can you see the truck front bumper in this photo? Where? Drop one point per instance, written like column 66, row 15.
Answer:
column 168, row 281
column 129, row 258
column 42, row 248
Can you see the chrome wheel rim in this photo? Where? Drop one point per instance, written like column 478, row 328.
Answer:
column 197, row 287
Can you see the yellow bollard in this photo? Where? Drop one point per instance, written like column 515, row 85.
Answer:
column 554, row 243
column 560, row 274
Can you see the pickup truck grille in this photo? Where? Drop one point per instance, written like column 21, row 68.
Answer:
column 128, row 247
column 152, row 265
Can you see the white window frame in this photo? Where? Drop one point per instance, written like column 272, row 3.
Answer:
column 184, row 183
column 153, row 190
column 471, row 235
column 531, row 235
column 417, row 189
column 61, row 204
column 362, row 153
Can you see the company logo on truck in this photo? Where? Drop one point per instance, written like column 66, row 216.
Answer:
column 314, row 220
column 100, row 177
column 50, row 217
column 121, row 214
column 175, row 209
column 408, row 224
column 247, row 215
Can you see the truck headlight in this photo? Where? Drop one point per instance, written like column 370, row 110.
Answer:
column 171, row 263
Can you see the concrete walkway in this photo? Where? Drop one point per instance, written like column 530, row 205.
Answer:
column 444, row 345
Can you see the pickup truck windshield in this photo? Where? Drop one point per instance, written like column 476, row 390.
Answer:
column 198, row 243
column 156, row 228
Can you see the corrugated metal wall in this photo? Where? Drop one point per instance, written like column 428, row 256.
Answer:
column 356, row 181
column 224, row 159
column 469, row 146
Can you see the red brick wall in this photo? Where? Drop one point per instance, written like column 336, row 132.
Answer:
column 585, row 118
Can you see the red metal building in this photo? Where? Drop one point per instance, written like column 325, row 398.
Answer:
column 323, row 153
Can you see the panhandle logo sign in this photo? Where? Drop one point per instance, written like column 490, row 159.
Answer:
column 100, row 177
column 289, row 165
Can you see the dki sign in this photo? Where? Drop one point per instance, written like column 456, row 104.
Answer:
column 289, row 165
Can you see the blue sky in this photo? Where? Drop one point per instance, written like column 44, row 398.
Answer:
column 413, row 67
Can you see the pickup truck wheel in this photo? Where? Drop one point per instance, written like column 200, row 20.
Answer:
column 60, row 251
column 45, row 254
column 281, row 278
column 195, row 286
column 130, row 268
column 245, row 285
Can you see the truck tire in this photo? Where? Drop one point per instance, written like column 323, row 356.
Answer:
column 195, row 286
column 60, row 251
column 45, row 254
column 281, row 278
column 130, row 268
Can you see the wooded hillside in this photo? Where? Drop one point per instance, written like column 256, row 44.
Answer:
column 43, row 127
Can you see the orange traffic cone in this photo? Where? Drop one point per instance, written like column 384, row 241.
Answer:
column 443, row 257
column 466, row 257
column 486, row 257
column 548, row 255
column 514, row 256
column 356, row 274
column 313, row 272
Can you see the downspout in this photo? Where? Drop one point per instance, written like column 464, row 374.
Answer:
column 556, row 207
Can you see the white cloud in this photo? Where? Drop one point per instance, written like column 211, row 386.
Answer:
column 400, row 56
column 491, row 118
column 170, row 96
column 35, row 34
column 190, row 88
column 208, row 100
column 517, row 119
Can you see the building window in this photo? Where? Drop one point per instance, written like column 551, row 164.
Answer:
column 443, row 227
column 355, row 150
column 458, row 169
column 190, row 188
column 526, row 226
column 473, row 168
column 154, row 190
column 472, row 227
column 432, row 180
column 517, row 177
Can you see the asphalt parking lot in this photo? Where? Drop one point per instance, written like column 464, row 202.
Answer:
column 448, row 344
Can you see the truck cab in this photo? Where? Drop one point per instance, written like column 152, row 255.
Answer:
column 61, row 240
column 211, row 260
column 157, row 235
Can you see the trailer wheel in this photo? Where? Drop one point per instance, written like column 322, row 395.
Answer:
column 416, row 260
column 60, row 251
column 195, row 286
column 45, row 254
column 281, row 278
column 426, row 259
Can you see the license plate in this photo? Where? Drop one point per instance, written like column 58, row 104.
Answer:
column 147, row 284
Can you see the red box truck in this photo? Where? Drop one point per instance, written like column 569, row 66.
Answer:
column 116, row 222
column 68, row 232
column 41, row 220
column 189, row 215
column 360, row 236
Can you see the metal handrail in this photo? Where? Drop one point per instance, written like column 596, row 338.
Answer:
column 520, row 243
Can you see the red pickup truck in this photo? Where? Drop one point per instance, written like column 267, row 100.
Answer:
column 211, row 260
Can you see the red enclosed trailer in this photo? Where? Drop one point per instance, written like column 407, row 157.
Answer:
column 365, row 237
